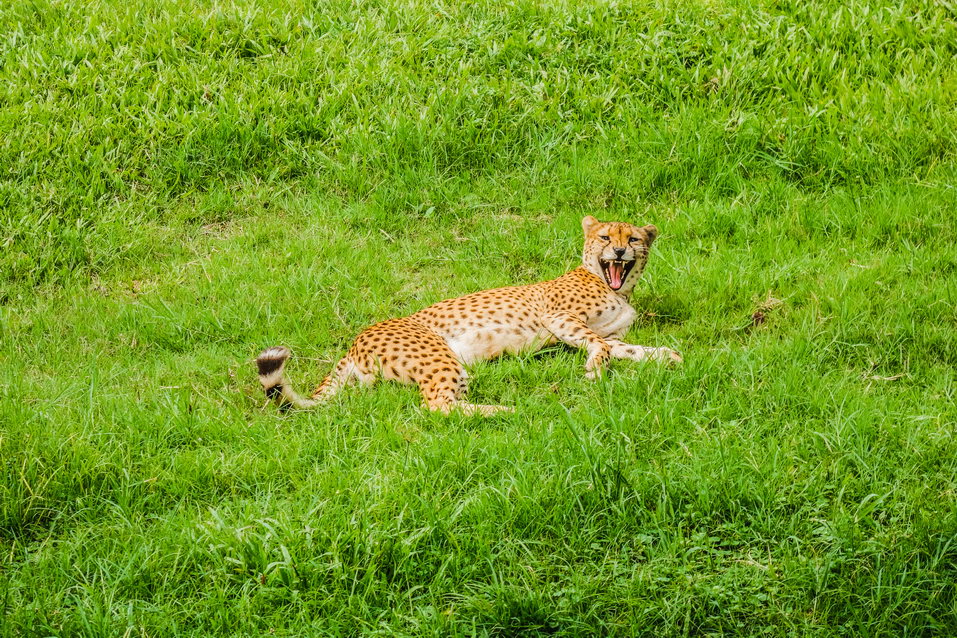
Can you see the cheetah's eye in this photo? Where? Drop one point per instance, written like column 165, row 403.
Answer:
column 632, row 240
column 604, row 237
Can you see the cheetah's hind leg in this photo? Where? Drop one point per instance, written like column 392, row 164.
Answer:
column 443, row 394
column 466, row 408
column 407, row 351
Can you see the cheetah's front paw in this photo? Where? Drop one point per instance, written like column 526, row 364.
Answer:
column 667, row 355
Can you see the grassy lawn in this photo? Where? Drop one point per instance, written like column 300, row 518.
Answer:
column 183, row 184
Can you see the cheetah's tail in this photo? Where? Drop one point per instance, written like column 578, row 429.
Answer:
column 271, row 364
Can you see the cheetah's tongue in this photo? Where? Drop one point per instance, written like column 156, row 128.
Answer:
column 615, row 271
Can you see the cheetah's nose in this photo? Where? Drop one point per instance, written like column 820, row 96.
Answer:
column 619, row 251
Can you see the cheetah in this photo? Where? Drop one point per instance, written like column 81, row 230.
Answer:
column 584, row 308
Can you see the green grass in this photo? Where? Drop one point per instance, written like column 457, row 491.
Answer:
column 183, row 184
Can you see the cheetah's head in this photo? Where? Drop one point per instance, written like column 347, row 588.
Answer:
column 616, row 251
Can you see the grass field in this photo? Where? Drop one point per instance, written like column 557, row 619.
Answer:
column 183, row 184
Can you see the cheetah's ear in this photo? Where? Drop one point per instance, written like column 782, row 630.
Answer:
column 588, row 222
column 651, row 231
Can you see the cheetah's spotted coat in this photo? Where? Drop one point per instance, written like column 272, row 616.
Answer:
column 586, row 308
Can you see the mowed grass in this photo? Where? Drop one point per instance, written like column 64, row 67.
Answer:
column 183, row 184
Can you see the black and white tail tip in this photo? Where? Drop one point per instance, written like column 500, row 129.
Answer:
column 270, row 364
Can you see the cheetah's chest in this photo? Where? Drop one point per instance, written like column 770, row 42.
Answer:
column 611, row 318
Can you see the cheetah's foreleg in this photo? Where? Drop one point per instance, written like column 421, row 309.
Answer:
column 573, row 331
column 622, row 350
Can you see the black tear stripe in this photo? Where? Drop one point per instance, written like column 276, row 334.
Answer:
column 274, row 392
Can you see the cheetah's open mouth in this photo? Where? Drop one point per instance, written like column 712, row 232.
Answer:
column 615, row 271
